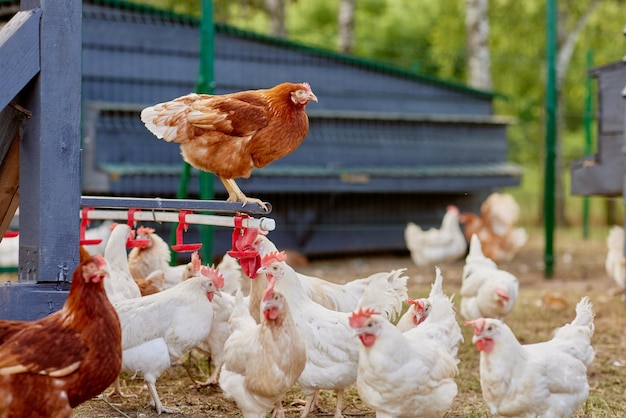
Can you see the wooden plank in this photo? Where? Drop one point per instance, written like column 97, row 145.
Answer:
column 19, row 53
column 50, row 148
column 9, row 167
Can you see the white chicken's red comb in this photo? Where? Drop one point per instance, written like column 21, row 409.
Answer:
column 213, row 274
column 478, row 324
column 273, row 257
column 144, row 230
column 357, row 319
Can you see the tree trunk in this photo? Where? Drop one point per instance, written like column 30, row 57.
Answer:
column 346, row 25
column 477, row 30
column 276, row 11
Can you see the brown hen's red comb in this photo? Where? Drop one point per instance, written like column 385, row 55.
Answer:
column 273, row 257
column 213, row 274
column 478, row 324
column 357, row 319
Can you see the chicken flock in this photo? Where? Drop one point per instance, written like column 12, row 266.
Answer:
column 291, row 329
column 133, row 312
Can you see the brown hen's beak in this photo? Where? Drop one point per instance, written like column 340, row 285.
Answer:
column 312, row 97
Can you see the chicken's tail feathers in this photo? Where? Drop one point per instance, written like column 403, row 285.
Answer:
column 240, row 318
column 475, row 247
column 436, row 289
column 575, row 337
column 165, row 119
column 231, row 270
column 584, row 314
column 386, row 293
column 412, row 235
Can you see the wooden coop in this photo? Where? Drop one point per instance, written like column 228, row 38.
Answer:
column 385, row 146
column 603, row 173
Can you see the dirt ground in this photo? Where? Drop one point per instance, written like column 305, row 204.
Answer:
column 579, row 270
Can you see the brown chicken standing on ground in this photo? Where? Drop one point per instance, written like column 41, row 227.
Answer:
column 231, row 134
column 49, row 366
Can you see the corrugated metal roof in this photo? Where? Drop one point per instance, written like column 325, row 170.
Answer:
column 376, row 66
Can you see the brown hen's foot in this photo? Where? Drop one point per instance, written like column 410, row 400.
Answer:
column 244, row 200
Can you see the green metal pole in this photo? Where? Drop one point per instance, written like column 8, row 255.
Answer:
column 204, row 84
column 550, row 162
column 588, row 118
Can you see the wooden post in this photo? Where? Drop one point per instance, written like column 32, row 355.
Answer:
column 49, row 154
column 50, row 176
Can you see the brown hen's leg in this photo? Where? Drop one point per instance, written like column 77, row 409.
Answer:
column 117, row 390
column 236, row 195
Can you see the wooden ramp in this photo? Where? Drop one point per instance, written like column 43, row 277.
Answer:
column 10, row 121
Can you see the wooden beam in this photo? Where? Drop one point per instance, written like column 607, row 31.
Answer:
column 19, row 53
column 50, row 180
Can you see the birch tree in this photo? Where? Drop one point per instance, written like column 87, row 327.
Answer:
column 477, row 31
column 346, row 26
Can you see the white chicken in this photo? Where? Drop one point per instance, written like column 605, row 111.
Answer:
column 213, row 345
column 547, row 379
column 334, row 296
column 332, row 352
column 230, row 269
column 487, row 291
column 160, row 328
column 100, row 232
column 155, row 256
column 615, row 262
column 122, row 285
column 437, row 245
column 278, row 351
column 475, row 259
column 445, row 327
column 408, row 374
